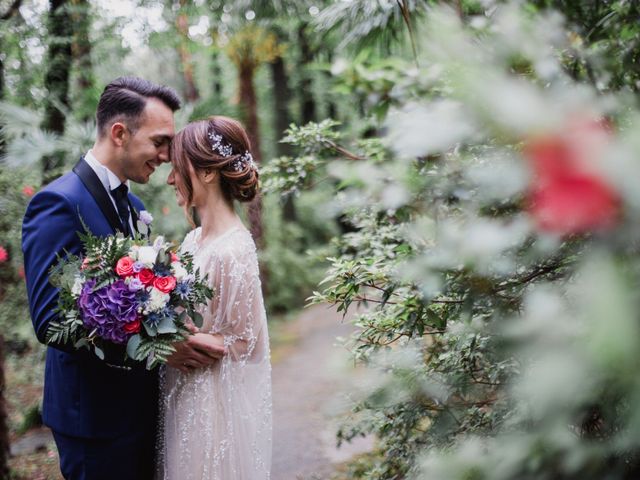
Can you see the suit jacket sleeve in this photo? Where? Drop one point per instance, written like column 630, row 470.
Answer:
column 50, row 228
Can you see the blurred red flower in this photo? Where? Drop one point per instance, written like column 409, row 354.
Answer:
column 165, row 210
column 4, row 256
column 568, row 194
column 28, row 190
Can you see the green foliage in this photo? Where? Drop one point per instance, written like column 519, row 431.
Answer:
column 16, row 185
column 485, row 335
column 293, row 253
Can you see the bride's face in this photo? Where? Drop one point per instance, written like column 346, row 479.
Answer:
column 175, row 179
column 198, row 185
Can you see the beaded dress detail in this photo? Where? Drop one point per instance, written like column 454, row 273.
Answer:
column 216, row 421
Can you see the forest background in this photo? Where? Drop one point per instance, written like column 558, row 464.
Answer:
column 462, row 170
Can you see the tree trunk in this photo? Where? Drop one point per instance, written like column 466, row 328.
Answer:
column 216, row 72
column 81, row 49
column 191, row 93
column 1, row 92
column 4, row 430
column 249, row 108
column 56, row 80
column 307, row 102
column 281, row 95
column 5, row 16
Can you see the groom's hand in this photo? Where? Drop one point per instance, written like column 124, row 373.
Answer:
column 197, row 351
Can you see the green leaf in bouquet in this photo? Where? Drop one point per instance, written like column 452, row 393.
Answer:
column 161, row 259
column 82, row 343
column 132, row 346
column 167, row 325
column 143, row 229
column 197, row 319
column 151, row 331
column 98, row 351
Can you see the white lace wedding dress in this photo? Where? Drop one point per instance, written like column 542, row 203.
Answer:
column 216, row 421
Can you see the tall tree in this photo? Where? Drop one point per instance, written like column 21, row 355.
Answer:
column 191, row 93
column 4, row 17
column 81, row 49
column 59, row 60
column 305, row 90
column 248, row 48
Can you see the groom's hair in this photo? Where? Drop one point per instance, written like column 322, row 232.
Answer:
column 124, row 100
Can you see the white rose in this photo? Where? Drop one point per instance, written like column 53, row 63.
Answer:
column 147, row 255
column 157, row 300
column 178, row 271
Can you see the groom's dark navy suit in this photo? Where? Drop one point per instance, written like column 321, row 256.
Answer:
column 103, row 417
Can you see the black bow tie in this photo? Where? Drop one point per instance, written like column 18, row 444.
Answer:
column 122, row 203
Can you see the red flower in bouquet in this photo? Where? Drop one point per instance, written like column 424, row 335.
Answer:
column 4, row 256
column 133, row 327
column 568, row 194
column 124, row 267
column 165, row 284
column 146, row 276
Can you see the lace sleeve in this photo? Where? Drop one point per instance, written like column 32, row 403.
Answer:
column 238, row 307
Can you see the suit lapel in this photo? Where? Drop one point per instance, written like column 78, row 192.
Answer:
column 95, row 187
column 134, row 215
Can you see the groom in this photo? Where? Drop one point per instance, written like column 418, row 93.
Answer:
column 103, row 414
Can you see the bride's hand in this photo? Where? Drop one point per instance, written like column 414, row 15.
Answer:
column 197, row 351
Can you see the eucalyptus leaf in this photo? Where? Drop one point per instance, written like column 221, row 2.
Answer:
column 151, row 331
column 99, row 353
column 197, row 319
column 142, row 228
column 132, row 345
column 167, row 325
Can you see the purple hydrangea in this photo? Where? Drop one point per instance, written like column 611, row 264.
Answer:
column 108, row 309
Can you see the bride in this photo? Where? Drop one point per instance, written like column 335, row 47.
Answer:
column 216, row 420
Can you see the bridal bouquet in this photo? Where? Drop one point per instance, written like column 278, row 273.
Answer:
column 127, row 291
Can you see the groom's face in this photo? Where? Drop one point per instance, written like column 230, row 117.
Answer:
column 148, row 147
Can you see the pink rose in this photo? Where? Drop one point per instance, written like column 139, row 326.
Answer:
column 165, row 284
column 4, row 256
column 124, row 267
column 174, row 257
column 28, row 190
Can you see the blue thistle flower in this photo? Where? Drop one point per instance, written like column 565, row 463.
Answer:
column 153, row 319
column 162, row 270
column 183, row 290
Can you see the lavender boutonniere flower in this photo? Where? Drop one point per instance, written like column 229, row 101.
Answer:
column 146, row 217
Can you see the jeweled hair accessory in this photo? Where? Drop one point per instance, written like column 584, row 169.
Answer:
column 217, row 145
column 246, row 159
column 225, row 150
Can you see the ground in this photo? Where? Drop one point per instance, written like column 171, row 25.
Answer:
column 311, row 377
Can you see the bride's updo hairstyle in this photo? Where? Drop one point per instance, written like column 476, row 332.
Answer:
column 218, row 143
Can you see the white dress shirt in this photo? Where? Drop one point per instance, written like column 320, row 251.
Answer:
column 109, row 180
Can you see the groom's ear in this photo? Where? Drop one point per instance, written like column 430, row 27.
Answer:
column 119, row 133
